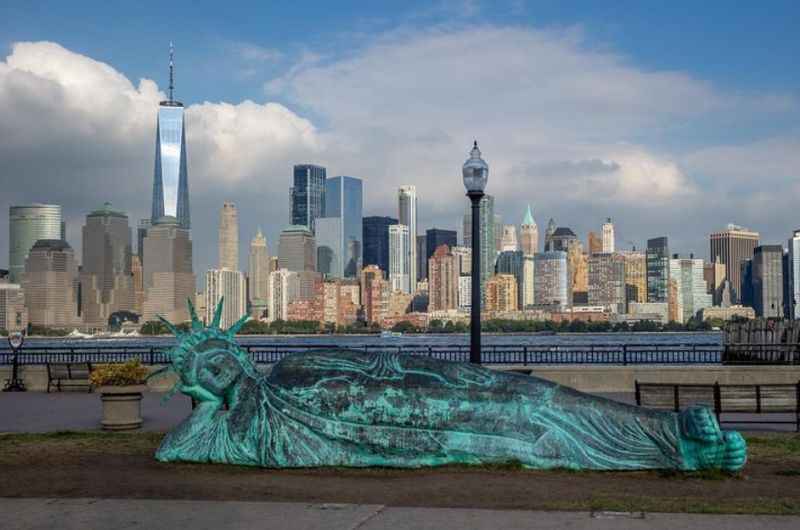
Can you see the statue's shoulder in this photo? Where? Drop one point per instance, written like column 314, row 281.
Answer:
column 316, row 361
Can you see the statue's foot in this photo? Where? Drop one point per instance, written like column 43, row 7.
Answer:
column 705, row 446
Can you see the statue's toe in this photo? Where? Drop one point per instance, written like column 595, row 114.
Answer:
column 735, row 455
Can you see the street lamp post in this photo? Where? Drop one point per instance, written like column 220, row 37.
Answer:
column 475, row 173
column 15, row 384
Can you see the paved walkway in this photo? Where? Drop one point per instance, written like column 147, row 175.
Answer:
column 80, row 411
column 123, row 514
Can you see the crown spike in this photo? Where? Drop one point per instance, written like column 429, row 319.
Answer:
column 234, row 329
column 217, row 314
column 197, row 324
column 170, row 326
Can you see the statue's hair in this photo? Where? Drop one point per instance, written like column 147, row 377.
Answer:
column 182, row 355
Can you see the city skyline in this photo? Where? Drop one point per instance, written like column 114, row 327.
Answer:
column 644, row 159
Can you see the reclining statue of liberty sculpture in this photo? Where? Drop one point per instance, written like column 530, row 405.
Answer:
column 350, row 408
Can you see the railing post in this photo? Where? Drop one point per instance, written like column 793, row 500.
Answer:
column 525, row 355
column 717, row 401
column 625, row 354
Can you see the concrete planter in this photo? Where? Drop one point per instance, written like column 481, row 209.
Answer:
column 122, row 407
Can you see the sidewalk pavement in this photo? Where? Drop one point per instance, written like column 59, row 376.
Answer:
column 123, row 514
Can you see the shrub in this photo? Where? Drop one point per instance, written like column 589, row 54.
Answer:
column 128, row 373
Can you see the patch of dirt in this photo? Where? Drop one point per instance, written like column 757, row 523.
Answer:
column 122, row 466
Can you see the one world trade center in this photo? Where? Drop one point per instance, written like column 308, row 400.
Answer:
column 170, row 179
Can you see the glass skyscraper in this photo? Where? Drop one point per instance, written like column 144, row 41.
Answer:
column 27, row 225
column 307, row 195
column 171, row 179
column 657, row 263
column 487, row 234
column 340, row 230
column 376, row 241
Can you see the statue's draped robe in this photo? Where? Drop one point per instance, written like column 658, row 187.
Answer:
column 353, row 409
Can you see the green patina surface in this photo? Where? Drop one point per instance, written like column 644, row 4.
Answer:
column 348, row 408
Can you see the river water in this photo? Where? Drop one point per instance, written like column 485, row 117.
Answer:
column 517, row 339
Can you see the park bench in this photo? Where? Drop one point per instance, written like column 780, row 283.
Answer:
column 72, row 375
column 726, row 399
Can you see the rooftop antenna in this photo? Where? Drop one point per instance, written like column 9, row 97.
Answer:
column 171, row 69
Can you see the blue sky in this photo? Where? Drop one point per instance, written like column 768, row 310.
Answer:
column 672, row 117
column 749, row 45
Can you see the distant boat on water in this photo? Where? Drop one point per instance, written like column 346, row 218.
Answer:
column 391, row 334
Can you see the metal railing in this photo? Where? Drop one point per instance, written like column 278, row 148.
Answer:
column 513, row 354
column 761, row 354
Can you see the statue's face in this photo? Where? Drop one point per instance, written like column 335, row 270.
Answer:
column 214, row 368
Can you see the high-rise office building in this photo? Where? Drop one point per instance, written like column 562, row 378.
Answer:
column 51, row 285
column 171, row 177
column 436, row 237
column 106, row 278
column 13, row 313
column 258, row 270
column 407, row 215
column 422, row 258
column 635, row 276
column 463, row 260
column 141, row 233
column 283, row 290
column 692, row 292
column 551, row 228
column 501, row 293
column 730, row 247
column 792, row 301
column 340, row 231
column 307, row 195
column 509, row 239
column 228, row 285
column 168, row 277
column 442, row 280
column 374, row 294
column 376, row 241
column 464, row 293
column 498, row 233
column 27, row 225
column 607, row 281
column 714, row 275
column 551, row 279
column 560, row 239
column 578, row 269
column 399, row 258
column 529, row 234
column 513, row 262
column 228, row 237
column 488, row 250
column 297, row 249
column 767, row 281
column 137, row 274
column 608, row 236
column 657, row 270
column 595, row 243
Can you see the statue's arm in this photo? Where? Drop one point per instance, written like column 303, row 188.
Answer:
column 194, row 437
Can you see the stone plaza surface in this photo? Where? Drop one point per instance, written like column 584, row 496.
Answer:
column 122, row 514
column 80, row 411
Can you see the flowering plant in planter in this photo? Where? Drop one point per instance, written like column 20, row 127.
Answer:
column 120, row 387
column 128, row 373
